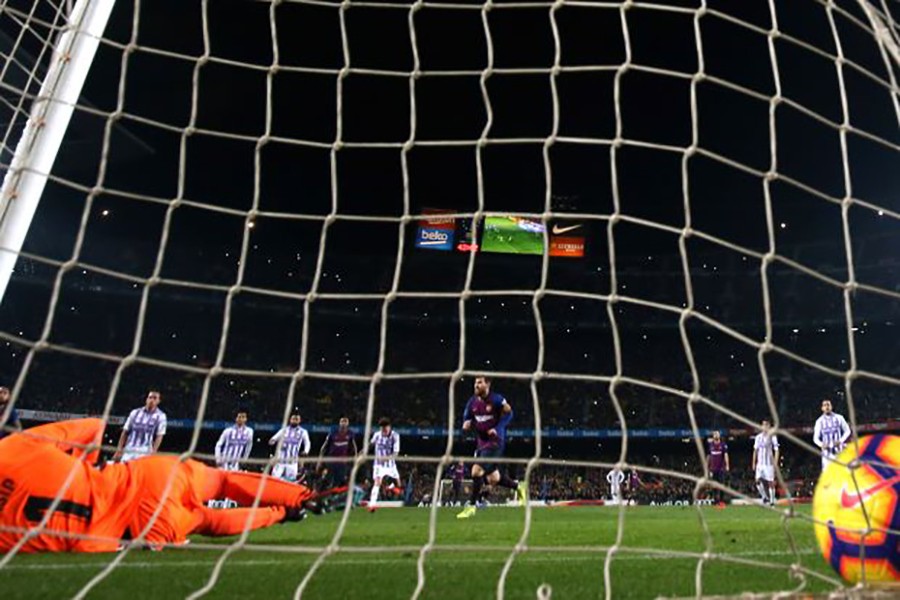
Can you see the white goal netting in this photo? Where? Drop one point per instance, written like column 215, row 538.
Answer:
column 644, row 221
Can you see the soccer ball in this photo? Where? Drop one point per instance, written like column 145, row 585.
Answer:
column 845, row 496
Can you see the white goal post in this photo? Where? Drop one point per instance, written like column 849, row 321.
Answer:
column 338, row 193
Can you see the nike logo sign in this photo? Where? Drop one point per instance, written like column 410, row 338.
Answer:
column 851, row 499
column 558, row 230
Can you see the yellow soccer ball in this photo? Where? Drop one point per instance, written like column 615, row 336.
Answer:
column 849, row 502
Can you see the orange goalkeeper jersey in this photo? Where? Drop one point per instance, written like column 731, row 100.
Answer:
column 161, row 498
column 95, row 508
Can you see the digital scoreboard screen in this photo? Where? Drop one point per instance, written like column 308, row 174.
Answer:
column 504, row 234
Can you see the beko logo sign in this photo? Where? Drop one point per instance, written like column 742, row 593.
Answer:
column 436, row 239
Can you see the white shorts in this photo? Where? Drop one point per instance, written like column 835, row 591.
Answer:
column 285, row 471
column 382, row 471
column 828, row 458
column 765, row 472
column 126, row 456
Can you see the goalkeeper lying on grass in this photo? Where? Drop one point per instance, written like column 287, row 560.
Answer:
column 100, row 507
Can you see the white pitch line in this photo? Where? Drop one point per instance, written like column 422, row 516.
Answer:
column 387, row 560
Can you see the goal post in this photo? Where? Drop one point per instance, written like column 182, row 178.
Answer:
column 649, row 224
column 74, row 46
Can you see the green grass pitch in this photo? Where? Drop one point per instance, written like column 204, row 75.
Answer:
column 502, row 235
column 743, row 533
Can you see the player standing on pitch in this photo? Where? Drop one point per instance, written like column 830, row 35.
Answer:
column 339, row 443
column 386, row 442
column 143, row 430
column 488, row 414
column 615, row 479
column 718, row 462
column 830, row 433
column 765, row 457
column 294, row 443
column 235, row 443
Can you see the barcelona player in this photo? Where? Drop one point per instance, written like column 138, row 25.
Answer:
column 488, row 414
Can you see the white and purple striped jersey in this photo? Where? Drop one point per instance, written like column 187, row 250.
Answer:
column 234, row 445
column 386, row 446
column 615, row 479
column 142, row 427
column 765, row 445
column 294, row 442
column 831, row 433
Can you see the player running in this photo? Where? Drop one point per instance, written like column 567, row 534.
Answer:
column 294, row 442
column 488, row 414
column 100, row 507
column 830, row 433
column 143, row 430
column 386, row 442
column 235, row 443
column 765, row 457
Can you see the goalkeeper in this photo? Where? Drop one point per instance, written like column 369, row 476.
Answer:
column 100, row 507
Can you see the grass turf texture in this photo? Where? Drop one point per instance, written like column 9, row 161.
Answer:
column 503, row 235
column 742, row 532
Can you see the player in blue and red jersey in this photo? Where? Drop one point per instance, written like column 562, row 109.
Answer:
column 340, row 443
column 488, row 414
column 718, row 462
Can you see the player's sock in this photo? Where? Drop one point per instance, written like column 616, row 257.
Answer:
column 772, row 495
column 477, row 482
column 507, row 482
column 763, row 493
column 373, row 497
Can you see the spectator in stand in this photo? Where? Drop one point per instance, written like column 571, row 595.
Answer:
column 12, row 422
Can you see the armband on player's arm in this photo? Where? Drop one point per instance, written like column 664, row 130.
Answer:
column 507, row 415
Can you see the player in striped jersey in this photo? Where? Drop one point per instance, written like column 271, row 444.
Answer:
column 615, row 479
column 294, row 443
column 235, row 443
column 765, row 457
column 830, row 433
column 387, row 446
column 143, row 430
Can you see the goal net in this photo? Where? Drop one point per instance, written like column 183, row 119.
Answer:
column 644, row 222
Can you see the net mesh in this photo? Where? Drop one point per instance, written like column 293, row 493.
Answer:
column 715, row 120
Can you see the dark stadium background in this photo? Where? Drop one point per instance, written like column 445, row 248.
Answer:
column 98, row 312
